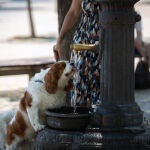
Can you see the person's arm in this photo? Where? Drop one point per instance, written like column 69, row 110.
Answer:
column 69, row 21
column 138, row 39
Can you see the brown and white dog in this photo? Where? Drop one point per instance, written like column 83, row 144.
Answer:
column 46, row 89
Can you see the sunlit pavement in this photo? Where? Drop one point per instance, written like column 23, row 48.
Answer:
column 14, row 23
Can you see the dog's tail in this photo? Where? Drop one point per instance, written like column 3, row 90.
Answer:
column 5, row 118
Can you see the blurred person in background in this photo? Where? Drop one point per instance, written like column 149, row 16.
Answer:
column 142, row 49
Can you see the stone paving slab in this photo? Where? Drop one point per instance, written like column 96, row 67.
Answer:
column 142, row 97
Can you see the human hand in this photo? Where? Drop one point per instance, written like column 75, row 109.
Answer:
column 58, row 51
column 147, row 52
column 138, row 44
column 140, row 47
column 55, row 52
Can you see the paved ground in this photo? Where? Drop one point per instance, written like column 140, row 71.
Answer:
column 14, row 23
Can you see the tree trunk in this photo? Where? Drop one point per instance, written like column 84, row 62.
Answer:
column 63, row 7
column 30, row 18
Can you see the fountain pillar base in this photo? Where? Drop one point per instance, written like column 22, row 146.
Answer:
column 51, row 139
column 116, row 116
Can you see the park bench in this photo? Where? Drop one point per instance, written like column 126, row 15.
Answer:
column 28, row 66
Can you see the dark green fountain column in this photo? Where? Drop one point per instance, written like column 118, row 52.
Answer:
column 119, row 108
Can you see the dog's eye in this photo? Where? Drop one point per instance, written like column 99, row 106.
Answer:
column 67, row 74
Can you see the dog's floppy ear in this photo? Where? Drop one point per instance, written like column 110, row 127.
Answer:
column 69, row 86
column 51, row 81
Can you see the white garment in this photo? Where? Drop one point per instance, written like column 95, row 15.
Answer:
column 138, row 26
column 138, row 31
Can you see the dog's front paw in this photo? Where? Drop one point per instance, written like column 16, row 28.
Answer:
column 39, row 127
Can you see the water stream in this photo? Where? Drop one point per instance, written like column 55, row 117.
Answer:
column 74, row 109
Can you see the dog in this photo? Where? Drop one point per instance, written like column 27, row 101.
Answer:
column 46, row 89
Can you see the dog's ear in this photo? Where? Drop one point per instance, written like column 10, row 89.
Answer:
column 51, row 81
column 69, row 86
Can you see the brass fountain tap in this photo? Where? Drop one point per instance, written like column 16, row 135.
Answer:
column 80, row 47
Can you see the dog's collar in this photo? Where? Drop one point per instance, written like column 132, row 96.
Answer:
column 40, row 81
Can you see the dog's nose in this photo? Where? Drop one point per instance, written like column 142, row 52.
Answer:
column 72, row 64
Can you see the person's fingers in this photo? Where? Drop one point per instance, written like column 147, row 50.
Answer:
column 55, row 52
